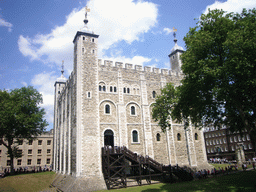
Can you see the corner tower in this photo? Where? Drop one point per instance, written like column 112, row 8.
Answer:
column 175, row 54
column 87, row 149
column 59, row 85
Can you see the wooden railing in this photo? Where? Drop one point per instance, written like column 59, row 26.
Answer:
column 133, row 156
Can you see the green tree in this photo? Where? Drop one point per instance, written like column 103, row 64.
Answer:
column 21, row 118
column 219, row 66
column 164, row 105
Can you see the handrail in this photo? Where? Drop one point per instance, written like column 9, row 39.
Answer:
column 138, row 158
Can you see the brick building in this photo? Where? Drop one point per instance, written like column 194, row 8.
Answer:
column 36, row 152
column 222, row 143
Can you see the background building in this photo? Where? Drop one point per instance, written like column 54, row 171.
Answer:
column 36, row 152
column 222, row 143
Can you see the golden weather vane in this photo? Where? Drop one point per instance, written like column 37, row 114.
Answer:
column 174, row 32
column 87, row 10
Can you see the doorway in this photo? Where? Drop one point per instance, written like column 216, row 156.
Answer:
column 109, row 138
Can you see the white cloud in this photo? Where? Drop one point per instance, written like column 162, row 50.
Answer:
column 168, row 31
column 24, row 84
column 232, row 5
column 136, row 60
column 6, row 24
column 113, row 20
column 44, row 82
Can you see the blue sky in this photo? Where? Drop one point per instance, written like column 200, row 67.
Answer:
column 36, row 35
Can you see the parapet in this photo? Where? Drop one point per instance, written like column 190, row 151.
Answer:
column 146, row 69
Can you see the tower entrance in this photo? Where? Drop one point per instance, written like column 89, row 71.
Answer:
column 109, row 138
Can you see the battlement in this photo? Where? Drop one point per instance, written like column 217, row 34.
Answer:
column 147, row 69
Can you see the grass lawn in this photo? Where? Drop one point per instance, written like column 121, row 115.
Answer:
column 241, row 181
column 27, row 182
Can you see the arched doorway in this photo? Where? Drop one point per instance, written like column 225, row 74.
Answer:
column 109, row 138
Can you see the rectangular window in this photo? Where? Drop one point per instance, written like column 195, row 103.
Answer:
column 38, row 161
column 48, row 142
column 30, row 142
column 48, row 161
column 0, row 152
column 30, row 151
column 20, row 142
column 48, row 150
column 19, row 162
column 39, row 151
column 19, row 151
column 8, row 163
column 40, row 142
column 29, row 162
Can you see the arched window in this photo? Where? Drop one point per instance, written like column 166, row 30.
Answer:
column 107, row 109
column 104, row 88
column 128, row 90
column 132, row 110
column 154, row 94
column 196, row 136
column 93, row 40
column 111, row 89
column 99, row 87
column 178, row 137
column 158, row 137
column 124, row 90
column 114, row 89
column 134, row 136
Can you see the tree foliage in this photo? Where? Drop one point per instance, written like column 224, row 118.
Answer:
column 219, row 66
column 21, row 117
column 164, row 105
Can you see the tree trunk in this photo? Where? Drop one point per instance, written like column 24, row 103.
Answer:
column 10, row 153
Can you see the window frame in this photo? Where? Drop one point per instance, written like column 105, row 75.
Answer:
column 135, row 114
column 196, row 136
column 105, row 109
column 132, row 135
column 158, row 137
column 153, row 94
column 178, row 137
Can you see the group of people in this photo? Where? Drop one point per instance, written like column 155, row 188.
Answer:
column 205, row 173
column 218, row 160
column 34, row 169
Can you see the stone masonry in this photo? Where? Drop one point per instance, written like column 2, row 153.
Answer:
column 106, row 103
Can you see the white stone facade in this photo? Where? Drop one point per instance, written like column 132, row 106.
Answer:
column 106, row 103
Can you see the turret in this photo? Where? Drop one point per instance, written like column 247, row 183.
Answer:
column 175, row 54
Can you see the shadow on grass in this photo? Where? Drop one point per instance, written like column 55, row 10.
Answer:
column 241, row 181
